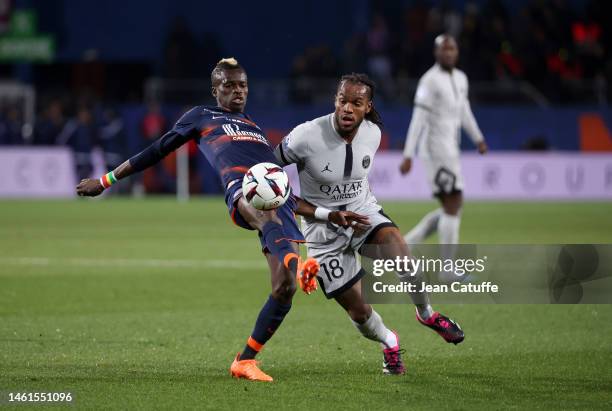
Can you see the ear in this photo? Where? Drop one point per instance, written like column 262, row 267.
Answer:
column 213, row 91
column 369, row 107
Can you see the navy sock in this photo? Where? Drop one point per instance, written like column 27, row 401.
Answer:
column 270, row 318
column 279, row 245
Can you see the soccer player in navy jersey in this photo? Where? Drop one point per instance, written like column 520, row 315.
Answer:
column 232, row 143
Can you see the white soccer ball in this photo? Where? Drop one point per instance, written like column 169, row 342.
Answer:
column 266, row 186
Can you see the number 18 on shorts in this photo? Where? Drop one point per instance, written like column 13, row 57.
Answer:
column 338, row 272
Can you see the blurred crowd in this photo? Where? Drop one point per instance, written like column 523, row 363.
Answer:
column 11, row 123
column 80, row 125
column 559, row 48
column 97, row 132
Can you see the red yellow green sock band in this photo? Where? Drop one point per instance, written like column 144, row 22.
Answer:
column 108, row 179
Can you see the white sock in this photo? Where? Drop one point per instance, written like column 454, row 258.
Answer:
column 448, row 231
column 374, row 329
column 420, row 299
column 425, row 227
column 425, row 311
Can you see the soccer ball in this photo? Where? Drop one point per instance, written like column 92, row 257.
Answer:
column 266, row 186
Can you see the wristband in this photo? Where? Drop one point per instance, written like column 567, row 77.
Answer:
column 108, row 179
column 321, row 213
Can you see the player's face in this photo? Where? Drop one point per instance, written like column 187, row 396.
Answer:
column 231, row 92
column 447, row 53
column 352, row 104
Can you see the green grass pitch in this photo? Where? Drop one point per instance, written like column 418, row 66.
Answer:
column 142, row 304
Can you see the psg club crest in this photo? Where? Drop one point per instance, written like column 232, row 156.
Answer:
column 365, row 162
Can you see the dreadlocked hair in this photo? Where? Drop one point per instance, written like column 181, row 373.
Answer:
column 361, row 78
column 229, row 63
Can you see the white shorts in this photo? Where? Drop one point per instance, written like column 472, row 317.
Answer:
column 335, row 248
column 444, row 175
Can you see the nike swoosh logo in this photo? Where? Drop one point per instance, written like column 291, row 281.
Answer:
column 216, row 117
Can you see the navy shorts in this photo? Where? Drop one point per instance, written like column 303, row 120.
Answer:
column 286, row 213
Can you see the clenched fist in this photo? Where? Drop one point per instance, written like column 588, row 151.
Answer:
column 89, row 187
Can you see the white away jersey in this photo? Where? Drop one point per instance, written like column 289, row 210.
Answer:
column 332, row 173
column 441, row 108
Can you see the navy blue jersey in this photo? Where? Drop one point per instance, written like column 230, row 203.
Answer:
column 231, row 142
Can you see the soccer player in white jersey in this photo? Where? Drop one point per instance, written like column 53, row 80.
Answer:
column 441, row 109
column 334, row 155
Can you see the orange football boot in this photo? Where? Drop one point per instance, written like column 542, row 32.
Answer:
column 307, row 275
column 248, row 369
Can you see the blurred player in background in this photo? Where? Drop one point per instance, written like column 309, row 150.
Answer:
column 233, row 143
column 441, row 109
column 334, row 155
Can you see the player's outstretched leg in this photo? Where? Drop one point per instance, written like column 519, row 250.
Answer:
column 283, row 260
column 269, row 319
column 280, row 245
column 370, row 325
column 276, row 240
column 393, row 245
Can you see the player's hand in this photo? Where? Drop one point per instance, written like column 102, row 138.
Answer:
column 350, row 219
column 406, row 166
column 89, row 187
column 482, row 147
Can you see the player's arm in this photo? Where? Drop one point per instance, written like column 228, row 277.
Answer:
column 341, row 218
column 150, row 156
column 418, row 124
column 469, row 124
column 185, row 129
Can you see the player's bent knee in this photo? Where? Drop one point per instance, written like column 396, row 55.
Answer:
column 284, row 291
column 390, row 235
column 264, row 217
column 393, row 235
column 256, row 218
